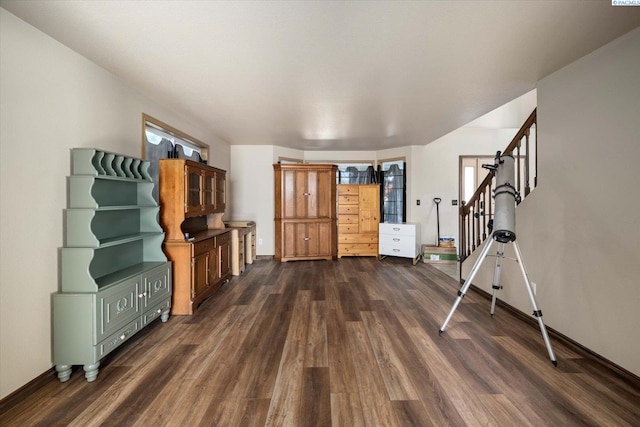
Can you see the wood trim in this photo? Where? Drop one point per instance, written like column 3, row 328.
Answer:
column 552, row 332
column 392, row 159
column 342, row 162
column 174, row 131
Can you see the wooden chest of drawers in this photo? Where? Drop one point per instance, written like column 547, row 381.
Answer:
column 358, row 218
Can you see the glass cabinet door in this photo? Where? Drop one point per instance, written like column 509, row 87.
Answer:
column 220, row 201
column 194, row 190
column 209, row 190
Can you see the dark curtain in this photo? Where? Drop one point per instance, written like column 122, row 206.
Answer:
column 163, row 150
column 353, row 175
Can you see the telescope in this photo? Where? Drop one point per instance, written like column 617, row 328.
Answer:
column 506, row 197
column 503, row 231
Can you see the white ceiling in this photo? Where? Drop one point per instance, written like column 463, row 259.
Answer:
column 331, row 75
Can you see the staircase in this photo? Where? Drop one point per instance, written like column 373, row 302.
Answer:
column 478, row 210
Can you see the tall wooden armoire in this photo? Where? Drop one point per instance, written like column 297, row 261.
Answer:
column 358, row 219
column 305, row 211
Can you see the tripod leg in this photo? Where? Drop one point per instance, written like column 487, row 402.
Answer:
column 496, row 276
column 536, row 312
column 467, row 283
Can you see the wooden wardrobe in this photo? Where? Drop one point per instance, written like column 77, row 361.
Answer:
column 305, row 211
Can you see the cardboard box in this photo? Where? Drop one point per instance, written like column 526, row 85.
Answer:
column 433, row 254
column 447, row 242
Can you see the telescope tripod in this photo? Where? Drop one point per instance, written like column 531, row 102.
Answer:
column 496, row 286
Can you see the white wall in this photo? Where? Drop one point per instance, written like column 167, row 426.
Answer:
column 578, row 230
column 342, row 156
column 435, row 174
column 251, row 191
column 432, row 172
column 52, row 99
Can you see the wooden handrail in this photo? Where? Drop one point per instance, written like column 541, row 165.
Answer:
column 474, row 225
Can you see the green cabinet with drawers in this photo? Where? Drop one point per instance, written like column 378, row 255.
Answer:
column 115, row 276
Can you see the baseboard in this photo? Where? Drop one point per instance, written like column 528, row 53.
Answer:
column 18, row 395
column 558, row 335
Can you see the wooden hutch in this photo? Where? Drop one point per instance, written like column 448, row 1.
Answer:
column 192, row 201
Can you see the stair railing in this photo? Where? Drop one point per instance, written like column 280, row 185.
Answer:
column 478, row 210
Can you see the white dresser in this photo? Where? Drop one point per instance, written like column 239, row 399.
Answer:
column 400, row 239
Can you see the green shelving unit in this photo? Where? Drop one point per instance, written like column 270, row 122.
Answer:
column 115, row 276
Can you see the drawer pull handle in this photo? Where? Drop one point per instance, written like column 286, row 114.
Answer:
column 307, row 238
column 306, row 194
column 142, row 295
column 395, row 239
column 159, row 310
column 396, row 229
column 396, row 250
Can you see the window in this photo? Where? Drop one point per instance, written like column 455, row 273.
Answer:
column 356, row 173
column 394, row 190
column 174, row 145
column 161, row 141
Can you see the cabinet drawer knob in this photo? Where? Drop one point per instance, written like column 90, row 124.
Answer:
column 142, row 295
column 307, row 238
column 306, row 194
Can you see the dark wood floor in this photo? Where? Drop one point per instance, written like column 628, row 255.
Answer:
column 352, row 342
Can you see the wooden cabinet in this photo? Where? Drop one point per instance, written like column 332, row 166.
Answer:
column 306, row 239
column 188, row 189
column 192, row 197
column 305, row 211
column 115, row 279
column 200, row 267
column 358, row 219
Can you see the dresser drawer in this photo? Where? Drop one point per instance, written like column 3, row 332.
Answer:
column 397, row 229
column 348, row 209
column 357, row 249
column 348, row 219
column 350, row 199
column 358, row 238
column 348, row 229
column 394, row 250
column 223, row 239
column 115, row 340
column 348, row 189
column 203, row 246
column 405, row 243
column 155, row 312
